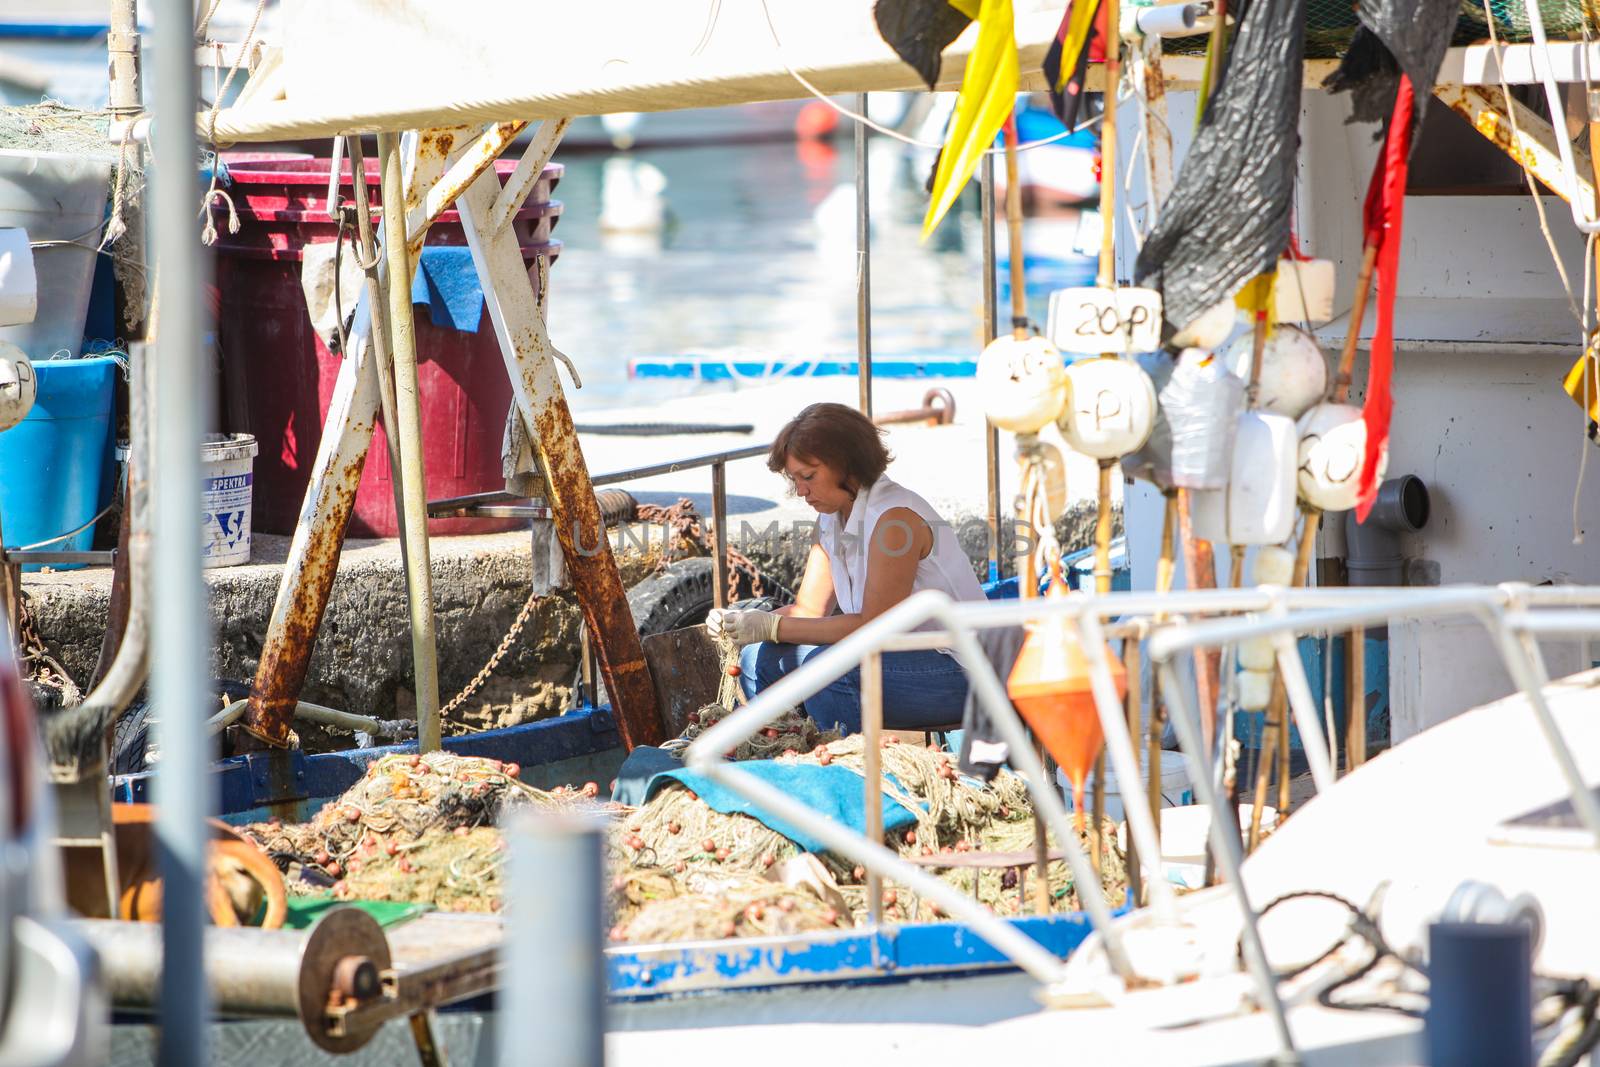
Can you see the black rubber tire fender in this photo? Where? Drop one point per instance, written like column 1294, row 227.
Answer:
column 681, row 594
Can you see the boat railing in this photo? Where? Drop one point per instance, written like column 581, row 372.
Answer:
column 1514, row 615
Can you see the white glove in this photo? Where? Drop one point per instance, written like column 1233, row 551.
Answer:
column 745, row 627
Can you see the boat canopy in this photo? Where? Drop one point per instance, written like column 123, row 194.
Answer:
column 371, row 65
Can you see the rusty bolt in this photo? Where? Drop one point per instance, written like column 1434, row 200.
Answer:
column 356, row 977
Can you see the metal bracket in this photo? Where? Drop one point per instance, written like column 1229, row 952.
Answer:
column 1532, row 144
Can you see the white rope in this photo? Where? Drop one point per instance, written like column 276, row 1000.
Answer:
column 888, row 131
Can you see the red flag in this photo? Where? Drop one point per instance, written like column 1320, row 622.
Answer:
column 1384, row 212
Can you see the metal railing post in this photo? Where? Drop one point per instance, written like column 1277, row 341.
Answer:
column 179, row 390
column 555, row 964
column 872, row 770
column 863, row 267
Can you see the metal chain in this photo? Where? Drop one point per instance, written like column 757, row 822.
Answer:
column 494, row 660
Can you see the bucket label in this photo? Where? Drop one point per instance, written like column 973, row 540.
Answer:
column 227, row 518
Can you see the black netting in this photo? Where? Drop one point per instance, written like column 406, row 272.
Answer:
column 1331, row 23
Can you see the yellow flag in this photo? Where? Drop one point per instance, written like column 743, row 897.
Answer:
column 1583, row 383
column 988, row 96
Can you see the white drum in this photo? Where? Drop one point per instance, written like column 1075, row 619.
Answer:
column 1111, row 407
column 1273, row 565
column 1294, row 373
column 1258, row 506
column 1333, row 442
column 1022, row 384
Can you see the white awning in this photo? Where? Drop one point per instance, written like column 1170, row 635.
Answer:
column 368, row 65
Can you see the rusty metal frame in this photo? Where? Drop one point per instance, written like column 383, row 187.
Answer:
column 518, row 318
column 426, row 202
column 313, row 562
column 1530, row 141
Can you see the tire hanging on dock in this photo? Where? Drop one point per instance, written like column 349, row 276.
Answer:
column 1229, row 213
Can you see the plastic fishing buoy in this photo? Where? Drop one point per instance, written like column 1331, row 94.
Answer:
column 1050, row 686
column 1111, row 407
column 1202, row 402
column 1258, row 505
column 1333, row 441
column 1255, row 690
column 1211, row 329
column 19, row 386
column 1302, row 290
column 1274, row 565
column 1022, row 383
column 1294, row 372
column 1257, row 654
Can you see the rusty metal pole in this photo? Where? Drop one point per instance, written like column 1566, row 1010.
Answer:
column 719, row 534
column 991, row 436
column 408, row 413
column 530, row 360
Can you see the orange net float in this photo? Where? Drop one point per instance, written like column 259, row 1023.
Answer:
column 1050, row 686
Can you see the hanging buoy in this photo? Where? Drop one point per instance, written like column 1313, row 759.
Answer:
column 1211, row 329
column 1111, row 407
column 1274, row 565
column 1152, row 461
column 1302, row 291
column 1257, row 654
column 1022, row 383
column 18, row 385
column 1255, row 690
column 1294, row 372
column 1258, row 505
column 1333, row 441
column 1202, row 402
column 1049, row 684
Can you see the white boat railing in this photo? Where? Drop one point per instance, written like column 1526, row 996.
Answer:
column 1514, row 615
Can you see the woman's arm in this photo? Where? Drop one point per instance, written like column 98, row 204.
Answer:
column 814, row 599
column 898, row 543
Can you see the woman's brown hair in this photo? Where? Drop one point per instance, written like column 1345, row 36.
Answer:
column 839, row 436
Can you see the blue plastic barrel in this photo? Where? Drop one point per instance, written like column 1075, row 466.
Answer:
column 54, row 464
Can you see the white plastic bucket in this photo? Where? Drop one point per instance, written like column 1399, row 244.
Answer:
column 1175, row 789
column 227, row 465
column 55, row 196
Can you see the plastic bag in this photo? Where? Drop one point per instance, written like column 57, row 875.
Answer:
column 1202, row 402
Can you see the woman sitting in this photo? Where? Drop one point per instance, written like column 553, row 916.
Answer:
column 876, row 544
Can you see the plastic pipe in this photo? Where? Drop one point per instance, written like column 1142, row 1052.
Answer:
column 1373, row 554
column 1168, row 20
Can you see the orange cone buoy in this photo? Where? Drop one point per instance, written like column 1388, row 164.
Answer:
column 1049, row 684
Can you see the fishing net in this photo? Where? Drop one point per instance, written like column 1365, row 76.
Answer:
column 415, row 828
column 1330, row 24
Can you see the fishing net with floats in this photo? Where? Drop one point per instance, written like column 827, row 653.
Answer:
column 415, row 828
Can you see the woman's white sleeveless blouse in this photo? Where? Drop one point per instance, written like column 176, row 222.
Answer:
column 946, row 568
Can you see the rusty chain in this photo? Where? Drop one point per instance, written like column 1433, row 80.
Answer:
column 494, row 661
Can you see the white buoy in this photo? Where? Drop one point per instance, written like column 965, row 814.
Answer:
column 1273, row 565
column 1333, row 442
column 19, row 386
column 1302, row 291
column 1294, row 372
column 1257, row 654
column 1211, row 329
column 1111, row 407
column 1258, row 505
column 1255, row 690
column 1022, row 384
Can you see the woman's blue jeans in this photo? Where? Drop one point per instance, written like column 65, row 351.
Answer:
column 923, row 690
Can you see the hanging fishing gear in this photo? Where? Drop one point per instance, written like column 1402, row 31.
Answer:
column 1228, row 217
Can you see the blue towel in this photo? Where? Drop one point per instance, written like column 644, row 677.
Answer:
column 447, row 282
column 832, row 791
